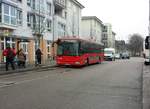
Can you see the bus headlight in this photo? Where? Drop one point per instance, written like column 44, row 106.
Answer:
column 77, row 62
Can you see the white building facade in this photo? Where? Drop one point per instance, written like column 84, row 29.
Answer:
column 108, row 37
column 92, row 28
column 68, row 19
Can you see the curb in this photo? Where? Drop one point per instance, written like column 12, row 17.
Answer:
column 146, row 87
column 27, row 69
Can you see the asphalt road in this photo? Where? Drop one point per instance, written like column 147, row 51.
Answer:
column 110, row 85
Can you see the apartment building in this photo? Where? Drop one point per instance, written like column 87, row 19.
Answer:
column 30, row 24
column 74, row 17
column 92, row 28
column 108, row 37
column 68, row 19
column 113, row 39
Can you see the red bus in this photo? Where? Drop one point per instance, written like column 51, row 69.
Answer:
column 78, row 52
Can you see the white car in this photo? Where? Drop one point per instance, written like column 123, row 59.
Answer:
column 147, row 61
column 117, row 56
column 109, row 54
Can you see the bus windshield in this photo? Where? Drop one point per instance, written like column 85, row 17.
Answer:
column 108, row 52
column 68, row 48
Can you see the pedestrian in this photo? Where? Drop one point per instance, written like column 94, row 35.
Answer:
column 10, row 54
column 21, row 58
column 38, row 56
column 15, row 58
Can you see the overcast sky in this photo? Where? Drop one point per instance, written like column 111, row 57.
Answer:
column 126, row 16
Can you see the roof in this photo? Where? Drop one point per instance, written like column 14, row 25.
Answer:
column 78, row 3
column 92, row 17
column 113, row 33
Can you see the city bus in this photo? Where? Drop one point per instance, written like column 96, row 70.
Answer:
column 78, row 52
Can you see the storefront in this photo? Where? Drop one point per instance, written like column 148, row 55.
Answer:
column 6, row 39
column 15, row 42
column 28, row 44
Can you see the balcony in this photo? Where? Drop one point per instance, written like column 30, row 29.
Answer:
column 11, row 2
column 5, row 26
column 59, row 4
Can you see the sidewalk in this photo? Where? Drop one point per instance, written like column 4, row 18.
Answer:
column 146, row 87
column 29, row 67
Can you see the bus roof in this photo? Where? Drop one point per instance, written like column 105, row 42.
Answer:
column 79, row 39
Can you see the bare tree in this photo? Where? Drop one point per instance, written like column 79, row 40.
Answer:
column 136, row 44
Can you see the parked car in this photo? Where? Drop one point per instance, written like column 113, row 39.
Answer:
column 125, row 55
column 147, row 61
column 117, row 56
column 109, row 54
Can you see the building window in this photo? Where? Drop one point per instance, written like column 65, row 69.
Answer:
column 38, row 23
column 40, row 6
column 49, row 9
column 49, row 25
column 9, row 14
column 48, row 49
column 65, row 15
column 28, row 2
column 13, row 15
column 33, row 4
column 61, row 29
column 6, row 14
column 28, row 19
column 19, row 17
